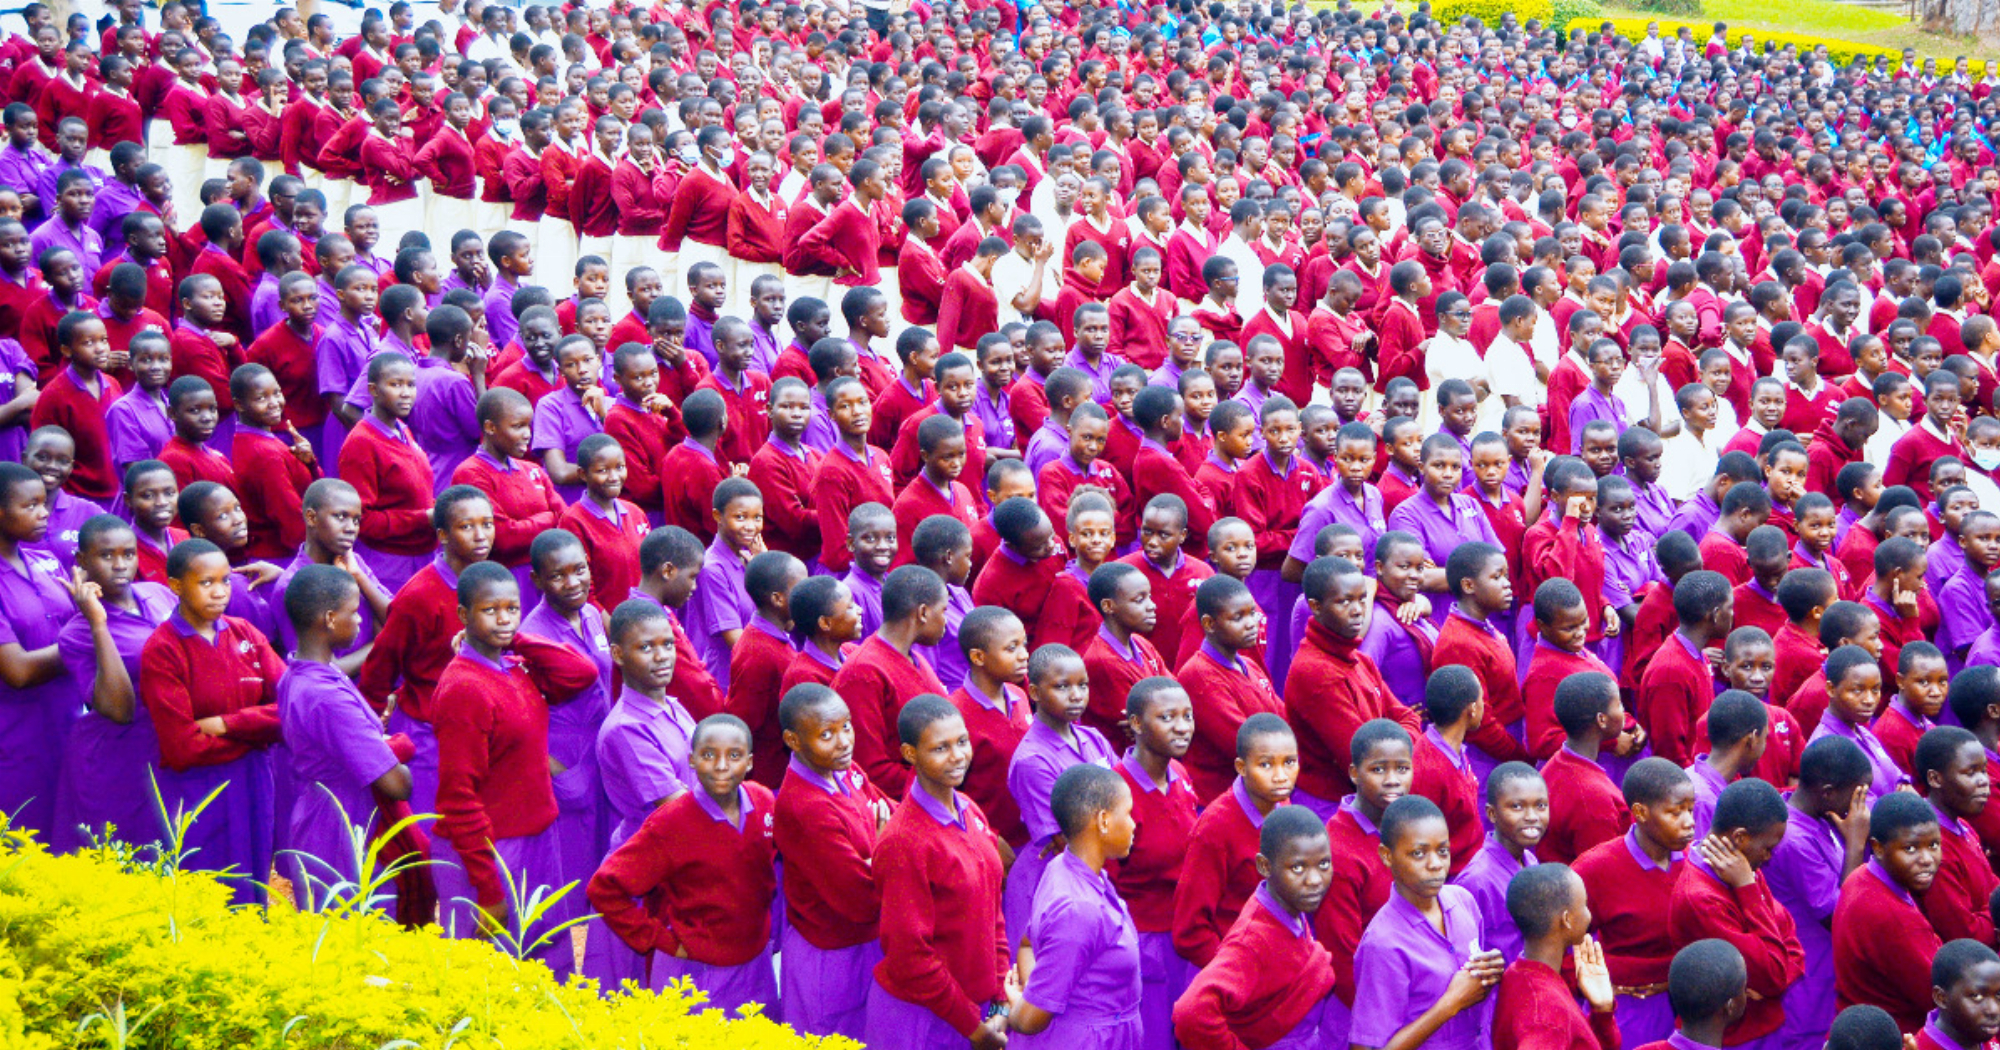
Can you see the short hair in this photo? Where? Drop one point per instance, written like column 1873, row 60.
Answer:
column 1754, row 806
column 178, row 559
column 1217, row 591
column 1842, row 621
column 1375, row 733
column 1834, row 761
column 936, row 537
column 1286, row 825
column 629, row 614
column 1451, row 691
column 1508, row 773
column 1895, row 813
column 1406, row 812
column 1955, row 960
column 1864, row 1027
column 1803, row 590
column 668, row 544
column 478, row 578
column 923, row 711
column 1081, row 792
column 1256, row 727
column 908, row 589
column 449, row 500
column 1652, row 781
column 550, row 542
column 1699, row 594
column 314, row 591
column 1581, row 698
column 1734, row 716
column 1146, row 690
column 729, row 490
column 801, row 700
column 1844, row 659
column 1554, row 595
column 1937, row 747
column 1705, row 977
column 703, row 413
column 1537, row 894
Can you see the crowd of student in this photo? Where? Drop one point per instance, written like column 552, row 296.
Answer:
column 1307, row 530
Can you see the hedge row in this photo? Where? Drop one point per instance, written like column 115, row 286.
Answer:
column 1840, row 51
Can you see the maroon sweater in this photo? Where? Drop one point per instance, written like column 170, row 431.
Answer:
column 687, row 880
column 1702, row 906
column 876, row 682
column 827, row 838
column 944, row 944
column 1263, row 982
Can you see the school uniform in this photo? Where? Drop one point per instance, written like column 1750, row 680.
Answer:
column 1114, row 668
column 1403, row 965
column 1052, row 611
column 1400, row 651
column 1486, row 876
column 1443, row 773
column 238, row 674
column 1701, row 907
column 846, row 480
column 1804, row 875
column 720, row 603
column 826, row 830
column 411, row 650
column 1087, row 961
column 1882, row 945
column 524, row 504
column 1675, row 692
column 1534, row 1010
column 496, row 798
column 1957, row 903
column 572, row 742
column 393, row 476
column 105, row 766
column 1270, row 985
column 1586, row 808
column 1173, row 595
column 34, row 725
column 1218, row 874
column 1332, row 689
column 996, row 726
column 1548, row 666
column 923, row 499
column 692, row 882
column 80, row 406
column 1042, row 757
column 1625, row 887
column 944, row 948
column 876, row 681
column 642, row 751
column 1155, row 471
column 1885, row 776
column 611, row 538
column 1146, row 879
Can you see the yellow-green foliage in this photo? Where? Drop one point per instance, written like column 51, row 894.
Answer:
column 1840, row 51
column 1489, row 11
column 96, row 951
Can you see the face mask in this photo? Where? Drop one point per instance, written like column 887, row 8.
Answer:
column 1009, row 196
column 725, row 158
column 1987, row 459
column 507, row 129
column 690, row 154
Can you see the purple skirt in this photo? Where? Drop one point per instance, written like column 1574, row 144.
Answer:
column 1163, row 976
column 108, row 772
column 535, row 861
column 392, row 571
column 234, row 833
column 606, row 959
column 1809, row 1008
column 1645, row 1020
column 1316, row 1029
column 423, row 765
column 33, row 722
column 1017, row 898
column 728, row 988
column 897, row 1025
column 825, row 992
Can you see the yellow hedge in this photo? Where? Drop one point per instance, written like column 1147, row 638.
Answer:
column 1489, row 11
column 97, row 950
column 1840, row 51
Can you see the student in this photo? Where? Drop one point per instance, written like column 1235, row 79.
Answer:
column 705, row 864
column 1950, row 763
column 1085, row 948
column 762, row 654
column 1517, row 811
column 642, row 752
column 524, row 499
column 1854, row 687
column 1022, row 575
column 886, row 670
column 784, row 469
column 494, row 785
column 1218, row 875
column 1120, row 655
column 151, row 496
column 1826, row 838
column 570, row 413
column 1627, row 878
column 1476, row 578
column 1453, row 705
column 137, row 425
column 1083, row 464
column 1160, row 718
column 392, row 474
column 1361, row 887
column 720, row 609
column 1054, row 741
column 1350, row 500
column 1585, row 807
column 1961, row 600
column 940, row 877
column 1230, row 681
column 1737, row 728
column 1270, row 982
column 997, row 712
column 1567, row 544
column 936, row 490
column 871, row 546
column 209, row 737
column 1678, row 686
column 275, row 463
column 827, row 620
column 1333, row 686
column 77, row 397
column 1881, row 939
column 1755, row 601
column 692, row 469
column 1532, row 1005
column 1922, row 682
column 1721, row 892
column 347, row 777
column 1708, row 990
column 1933, row 437
column 610, row 528
column 1156, row 471
column 1964, row 973
column 1806, row 596
column 1401, row 636
column 111, row 750
column 1416, row 986
column 853, row 473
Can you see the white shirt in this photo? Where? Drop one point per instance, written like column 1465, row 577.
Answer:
column 1011, row 274
column 1687, row 461
column 1886, row 436
column 1249, row 273
column 1447, row 356
column 1512, row 372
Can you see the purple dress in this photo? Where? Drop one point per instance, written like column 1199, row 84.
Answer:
column 562, row 422
column 1805, row 875
column 345, row 349
column 107, row 767
column 1396, row 654
column 1486, row 878
column 1042, row 757
column 1086, row 961
column 1402, row 966
column 573, row 727
column 1708, row 785
column 67, row 513
column 867, row 592
column 721, row 602
column 729, row 988
column 337, row 751
column 35, row 721
column 444, row 419
column 138, row 426
column 17, row 373
column 825, row 991
column 642, row 757
column 1441, row 529
column 946, row 658
column 1887, row 776
column 1335, row 505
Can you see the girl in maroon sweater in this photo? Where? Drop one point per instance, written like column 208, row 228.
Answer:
column 937, row 863
column 694, row 885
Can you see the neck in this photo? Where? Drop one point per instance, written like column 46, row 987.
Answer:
column 1709, row 1032
column 1456, row 733
column 944, row 793
column 1586, row 746
column 1548, row 951
column 315, row 649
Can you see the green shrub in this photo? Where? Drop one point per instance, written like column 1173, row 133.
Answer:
column 100, row 950
column 1489, row 11
column 1840, row 51
column 1568, row 12
column 1685, row 8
